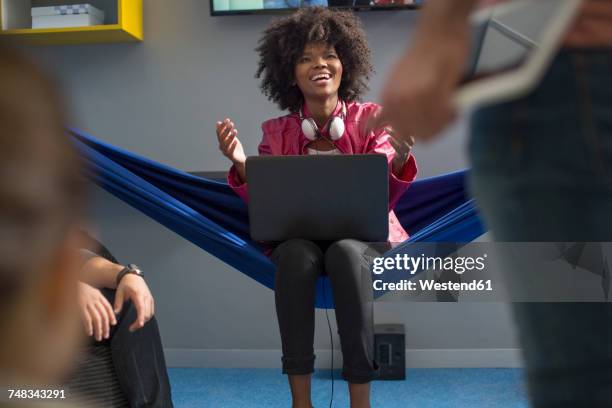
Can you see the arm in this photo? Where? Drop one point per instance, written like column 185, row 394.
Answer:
column 100, row 273
column 452, row 11
column 97, row 272
column 231, row 147
column 237, row 181
column 417, row 94
column 399, row 180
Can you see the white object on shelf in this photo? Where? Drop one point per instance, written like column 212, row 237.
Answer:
column 75, row 20
column 76, row 15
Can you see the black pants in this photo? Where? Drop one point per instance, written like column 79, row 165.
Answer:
column 138, row 358
column 299, row 265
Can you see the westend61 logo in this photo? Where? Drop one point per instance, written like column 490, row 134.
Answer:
column 450, row 268
column 412, row 264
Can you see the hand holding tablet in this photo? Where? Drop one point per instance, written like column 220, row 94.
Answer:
column 456, row 64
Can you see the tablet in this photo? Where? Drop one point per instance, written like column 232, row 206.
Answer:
column 513, row 45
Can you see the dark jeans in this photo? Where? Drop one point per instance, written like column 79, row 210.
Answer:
column 542, row 171
column 299, row 265
column 138, row 358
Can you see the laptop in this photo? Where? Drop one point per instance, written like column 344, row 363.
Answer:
column 318, row 197
column 513, row 44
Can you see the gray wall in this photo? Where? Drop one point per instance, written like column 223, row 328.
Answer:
column 160, row 99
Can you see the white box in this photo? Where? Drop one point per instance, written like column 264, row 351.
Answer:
column 74, row 20
column 69, row 10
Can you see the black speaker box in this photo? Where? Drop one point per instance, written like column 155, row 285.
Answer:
column 390, row 351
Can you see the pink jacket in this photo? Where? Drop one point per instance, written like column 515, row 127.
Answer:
column 283, row 136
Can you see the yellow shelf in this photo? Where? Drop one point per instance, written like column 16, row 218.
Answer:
column 128, row 29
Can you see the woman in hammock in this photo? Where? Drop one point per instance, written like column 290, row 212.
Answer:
column 315, row 64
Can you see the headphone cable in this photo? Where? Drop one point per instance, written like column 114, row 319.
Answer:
column 331, row 337
column 331, row 341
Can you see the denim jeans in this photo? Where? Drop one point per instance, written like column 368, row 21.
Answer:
column 542, row 171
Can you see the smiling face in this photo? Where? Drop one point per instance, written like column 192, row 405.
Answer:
column 318, row 72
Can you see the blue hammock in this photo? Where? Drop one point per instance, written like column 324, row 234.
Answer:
column 210, row 215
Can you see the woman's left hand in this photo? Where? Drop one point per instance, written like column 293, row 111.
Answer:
column 403, row 148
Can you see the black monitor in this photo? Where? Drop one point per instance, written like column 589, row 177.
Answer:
column 229, row 7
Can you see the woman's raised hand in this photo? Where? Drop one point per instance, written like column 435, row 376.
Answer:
column 402, row 147
column 229, row 144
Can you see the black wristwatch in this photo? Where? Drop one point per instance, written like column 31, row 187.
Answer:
column 129, row 268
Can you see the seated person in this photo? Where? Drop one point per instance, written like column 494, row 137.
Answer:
column 117, row 311
column 41, row 197
column 315, row 63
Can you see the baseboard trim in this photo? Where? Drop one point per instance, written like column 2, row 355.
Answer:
column 415, row 358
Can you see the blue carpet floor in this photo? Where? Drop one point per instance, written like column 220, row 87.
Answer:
column 423, row 388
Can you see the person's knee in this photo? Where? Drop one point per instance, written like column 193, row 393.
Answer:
column 298, row 251
column 298, row 260
column 344, row 255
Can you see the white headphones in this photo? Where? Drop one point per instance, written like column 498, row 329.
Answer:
column 335, row 128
